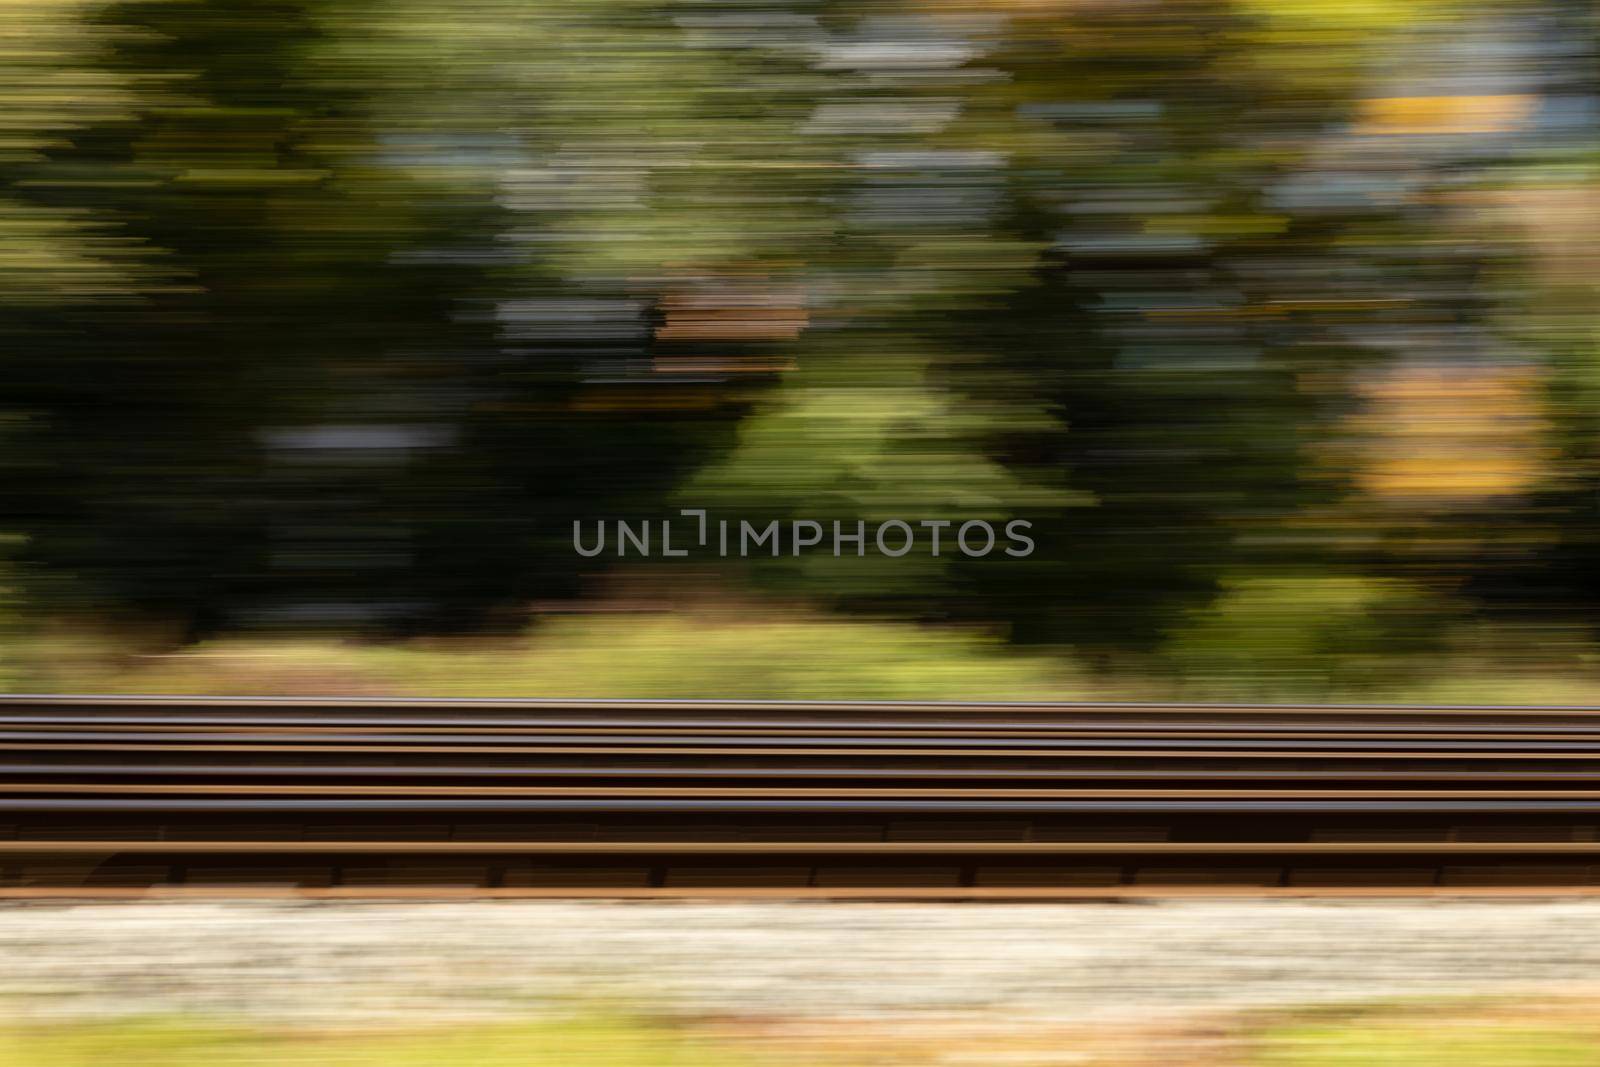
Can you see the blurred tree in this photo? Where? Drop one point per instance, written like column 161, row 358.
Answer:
column 342, row 311
column 1196, row 320
column 1540, row 561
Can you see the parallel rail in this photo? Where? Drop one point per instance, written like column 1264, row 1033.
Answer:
column 342, row 796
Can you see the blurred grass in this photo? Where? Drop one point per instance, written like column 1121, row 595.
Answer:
column 1507, row 1033
column 1446, row 1039
column 1395, row 1046
column 1319, row 640
column 666, row 656
column 731, row 655
column 597, row 1042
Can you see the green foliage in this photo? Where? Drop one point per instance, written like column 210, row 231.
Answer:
column 1316, row 634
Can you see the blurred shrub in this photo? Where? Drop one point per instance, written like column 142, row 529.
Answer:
column 1308, row 634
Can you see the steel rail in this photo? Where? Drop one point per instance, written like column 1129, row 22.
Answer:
column 679, row 805
column 389, row 770
column 677, row 733
column 670, row 742
column 882, row 894
column 806, row 848
column 776, row 707
column 1528, row 740
column 940, row 727
column 1152, row 752
column 736, row 792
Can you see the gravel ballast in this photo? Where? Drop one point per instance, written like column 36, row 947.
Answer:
column 343, row 962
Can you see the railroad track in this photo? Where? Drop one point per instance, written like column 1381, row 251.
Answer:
column 121, row 795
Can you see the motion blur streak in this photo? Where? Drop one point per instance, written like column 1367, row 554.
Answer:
column 1274, row 318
